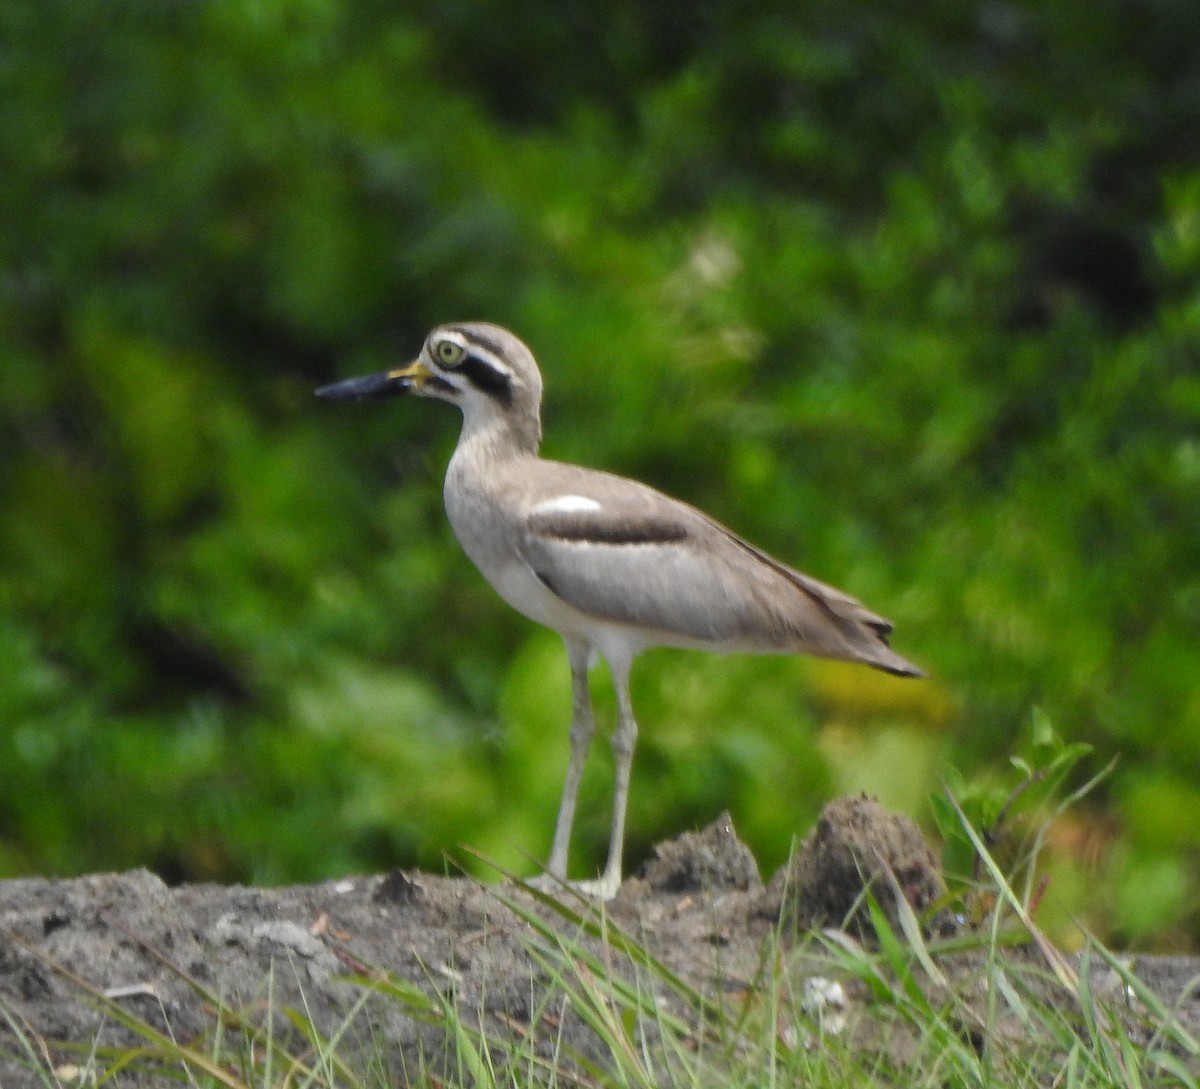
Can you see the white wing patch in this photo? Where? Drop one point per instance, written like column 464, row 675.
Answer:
column 567, row 504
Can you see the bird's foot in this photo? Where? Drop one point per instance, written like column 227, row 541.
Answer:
column 602, row 888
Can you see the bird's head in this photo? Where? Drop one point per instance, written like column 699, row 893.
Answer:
column 484, row 369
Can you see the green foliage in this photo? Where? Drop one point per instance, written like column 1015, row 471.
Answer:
column 908, row 296
column 1001, row 814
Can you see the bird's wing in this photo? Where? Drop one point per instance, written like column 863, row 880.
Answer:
column 625, row 555
column 624, row 552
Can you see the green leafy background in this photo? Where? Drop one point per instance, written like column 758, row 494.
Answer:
column 907, row 294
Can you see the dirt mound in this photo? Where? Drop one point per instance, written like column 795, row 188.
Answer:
column 699, row 907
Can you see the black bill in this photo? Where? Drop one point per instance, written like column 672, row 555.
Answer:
column 370, row 387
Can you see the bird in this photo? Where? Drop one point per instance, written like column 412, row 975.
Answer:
column 613, row 566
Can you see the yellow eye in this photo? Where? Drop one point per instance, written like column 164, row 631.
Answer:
column 448, row 353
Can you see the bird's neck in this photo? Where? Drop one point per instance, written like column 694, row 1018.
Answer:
column 494, row 439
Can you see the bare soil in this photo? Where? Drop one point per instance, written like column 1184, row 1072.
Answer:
column 699, row 906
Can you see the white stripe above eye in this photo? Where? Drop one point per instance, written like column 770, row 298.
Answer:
column 567, row 504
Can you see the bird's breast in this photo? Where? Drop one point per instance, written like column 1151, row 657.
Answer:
column 489, row 534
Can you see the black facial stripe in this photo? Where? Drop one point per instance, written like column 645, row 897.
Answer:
column 483, row 376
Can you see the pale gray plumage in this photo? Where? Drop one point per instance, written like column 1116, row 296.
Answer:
column 612, row 565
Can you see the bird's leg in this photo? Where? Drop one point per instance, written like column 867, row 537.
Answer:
column 582, row 727
column 623, row 742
